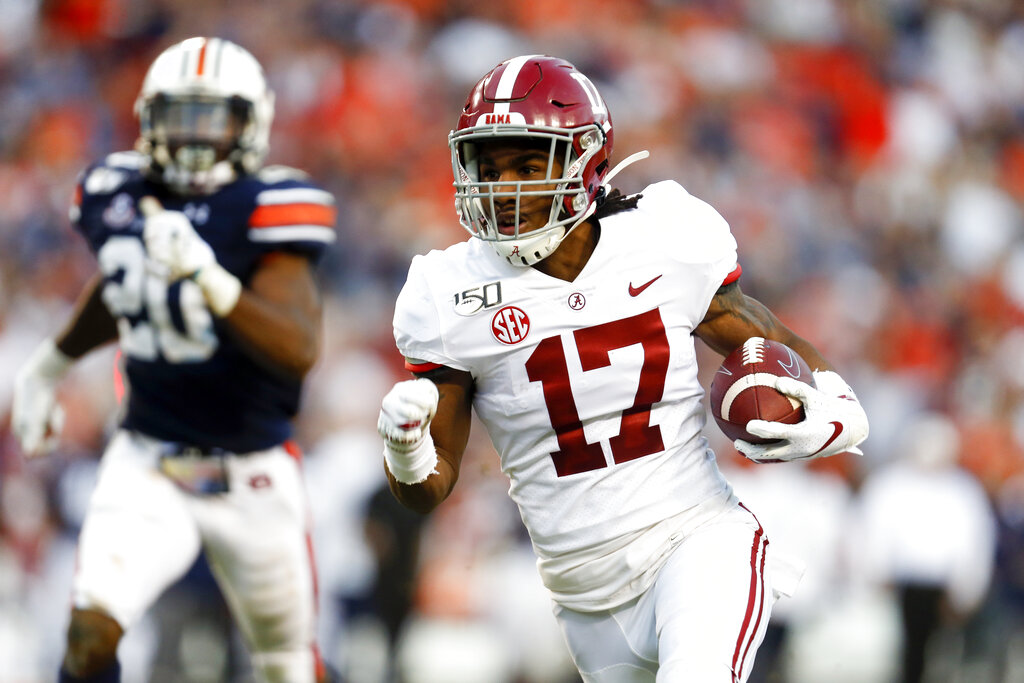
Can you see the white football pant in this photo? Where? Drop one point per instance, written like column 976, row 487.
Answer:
column 702, row 620
column 142, row 533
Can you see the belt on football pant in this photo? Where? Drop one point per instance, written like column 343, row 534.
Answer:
column 200, row 475
column 177, row 449
column 199, row 470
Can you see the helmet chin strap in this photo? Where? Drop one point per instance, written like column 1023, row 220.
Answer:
column 631, row 159
column 529, row 250
column 628, row 161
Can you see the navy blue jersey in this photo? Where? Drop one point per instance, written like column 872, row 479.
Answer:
column 188, row 380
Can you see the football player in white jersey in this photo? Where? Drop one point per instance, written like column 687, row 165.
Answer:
column 568, row 325
column 206, row 279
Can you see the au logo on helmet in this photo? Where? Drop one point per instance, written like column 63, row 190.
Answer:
column 510, row 325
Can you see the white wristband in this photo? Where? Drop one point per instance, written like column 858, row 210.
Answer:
column 48, row 362
column 412, row 467
column 220, row 288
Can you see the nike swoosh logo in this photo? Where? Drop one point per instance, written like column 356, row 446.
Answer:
column 635, row 291
column 837, row 428
column 791, row 366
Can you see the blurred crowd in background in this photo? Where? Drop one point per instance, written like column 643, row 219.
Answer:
column 869, row 156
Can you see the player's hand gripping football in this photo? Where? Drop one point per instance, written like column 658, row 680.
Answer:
column 173, row 244
column 404, row 423
column 834, row 422
column 36, row 417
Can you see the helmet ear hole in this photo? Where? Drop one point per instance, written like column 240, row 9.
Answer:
column 242, row 113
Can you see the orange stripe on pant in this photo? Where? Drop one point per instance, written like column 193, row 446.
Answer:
column 274, row 215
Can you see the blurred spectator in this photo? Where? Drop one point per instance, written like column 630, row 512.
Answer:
column 929, row 533
column 995, row 643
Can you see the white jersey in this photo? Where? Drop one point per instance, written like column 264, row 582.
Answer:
column 588, row 389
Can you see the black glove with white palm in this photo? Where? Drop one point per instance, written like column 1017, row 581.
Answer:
column 834, row 422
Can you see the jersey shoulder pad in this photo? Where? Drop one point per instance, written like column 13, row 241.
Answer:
column 418, row 324
column 128, row 160
column 671, row 199
column 694, row 227
column 289, row 210
column 278, row 173
column 105, row 194
column 111, row 173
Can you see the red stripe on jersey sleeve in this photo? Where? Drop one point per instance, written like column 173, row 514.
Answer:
column 421, row 367
column 733, row 276
column 281, row 215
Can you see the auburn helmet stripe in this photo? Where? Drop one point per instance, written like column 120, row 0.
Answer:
column 202, row 58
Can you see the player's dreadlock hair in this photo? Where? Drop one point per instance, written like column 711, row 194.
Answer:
column 615, row 202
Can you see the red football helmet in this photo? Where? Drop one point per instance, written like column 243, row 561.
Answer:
column 546, row 99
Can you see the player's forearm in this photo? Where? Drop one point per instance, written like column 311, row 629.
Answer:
column 734, row 317
column 425, row 424
column 277, row 316
column 91, row 325
column 803, row 347
column 426, row 495
column 286, row 338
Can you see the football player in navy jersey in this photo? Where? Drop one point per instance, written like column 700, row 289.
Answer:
column 206, row 280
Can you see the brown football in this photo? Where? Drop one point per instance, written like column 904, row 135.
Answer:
column 740, row 390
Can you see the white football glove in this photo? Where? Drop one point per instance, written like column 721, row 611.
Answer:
column 834, row 422
column 174, row 245
column 404, row 423
column 36, row 417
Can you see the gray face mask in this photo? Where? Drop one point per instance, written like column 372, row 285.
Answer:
column 195, row 157
column 213, row 121
column 194, row 142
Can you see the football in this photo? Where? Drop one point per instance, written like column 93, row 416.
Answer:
column 740, row 391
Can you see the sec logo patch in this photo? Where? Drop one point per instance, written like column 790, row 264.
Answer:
column 510, row 325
